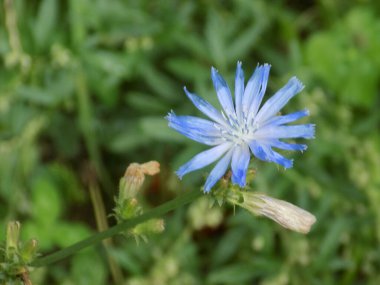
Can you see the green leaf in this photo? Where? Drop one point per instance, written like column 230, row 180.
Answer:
column 47, row 203
column 159, row 82
column 88, row 268
column 215, row 37
column 145, row 103
column 228, row 245
column 45, row 23
column 188, row 69
column 245, row 41
column 66, row 234
column 157, row 128
column 232, row 274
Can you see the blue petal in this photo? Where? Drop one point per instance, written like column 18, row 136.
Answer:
column 255, row 89
column 279, row 100
column 239, row 164
column 203, row 159
column 218, row 171
column 264, row 152
column 223, row 92
column 286, row 146
column 205, row 107
column 239, row 89
column 285, row 132
column 256, row 100
column 252, row 88
column 197, row 129
column 280, row 120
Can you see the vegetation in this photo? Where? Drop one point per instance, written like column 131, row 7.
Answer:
column 85, row 86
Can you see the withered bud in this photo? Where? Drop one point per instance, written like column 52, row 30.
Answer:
column 284, row 213
column 134, row 177
column 150, row 168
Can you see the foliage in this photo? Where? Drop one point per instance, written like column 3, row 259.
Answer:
column 85, row 86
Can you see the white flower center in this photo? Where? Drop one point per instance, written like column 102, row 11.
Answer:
column 238, row 132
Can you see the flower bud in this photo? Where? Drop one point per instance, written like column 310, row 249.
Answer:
column 134, row 177
column 150, row 168
column 153, row 226
column 13, row 233
column 29, row 250
column 286, row 214
column 127, row 209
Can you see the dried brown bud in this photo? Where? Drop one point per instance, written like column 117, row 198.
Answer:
column 134, row 177
column 150, row 168
column 286, row 214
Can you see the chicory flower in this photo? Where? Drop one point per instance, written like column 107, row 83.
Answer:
column 242, row 127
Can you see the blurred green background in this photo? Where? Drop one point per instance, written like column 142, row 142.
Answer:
column 85, row 86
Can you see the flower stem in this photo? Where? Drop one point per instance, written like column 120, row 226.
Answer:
column 96, row 238
column 102, row 224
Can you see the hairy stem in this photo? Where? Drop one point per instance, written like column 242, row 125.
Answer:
column 96, row 238
column 102, row 224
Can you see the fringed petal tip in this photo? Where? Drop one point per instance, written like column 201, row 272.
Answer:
column 238, row 181
column 217, row 79
column 302, row 147
column 298, row 83
column 287, row 163
column 179, row 174
column 186, row 91
column 266, row 65
column 206, row 190
column 311, row 134
column 169, row 117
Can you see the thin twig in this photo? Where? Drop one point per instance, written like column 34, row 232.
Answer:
column 25, row 278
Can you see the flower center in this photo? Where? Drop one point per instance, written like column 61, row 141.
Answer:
column 238, row 132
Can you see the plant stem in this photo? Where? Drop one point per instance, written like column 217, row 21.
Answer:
column 96, row 238
column 102, row 224
column 11, row 24
column 86, row 123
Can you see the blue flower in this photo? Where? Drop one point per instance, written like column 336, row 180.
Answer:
column 242, row 126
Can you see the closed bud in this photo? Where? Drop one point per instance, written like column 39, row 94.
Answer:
column 150, row 168
column 153, row 226
column 13, row 234
column 127, row 209
column 29, row 250
column 284, row 213
column 134, row 177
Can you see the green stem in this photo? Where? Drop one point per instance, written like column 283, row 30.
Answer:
column 154, row 213
column 86, row 122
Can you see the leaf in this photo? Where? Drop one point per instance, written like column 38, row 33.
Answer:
column 88, row 268
column 45, row 23
column 245, row 41
column 228, row 245
column 214, row 34
column 188, row 69
column 145, row 102
column 157, row 128
column 66, row 234
column 232, row 274
column 47, row 205
column 159, row 82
